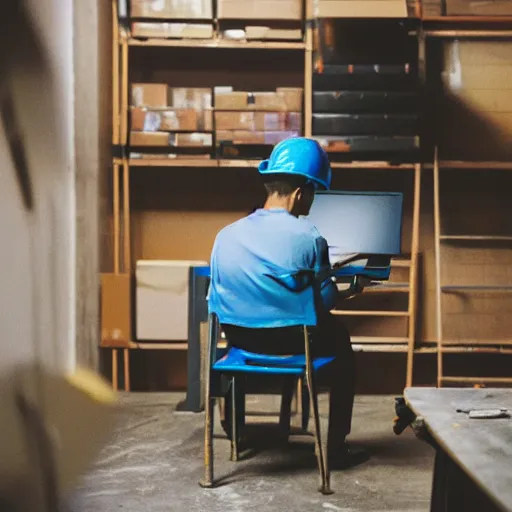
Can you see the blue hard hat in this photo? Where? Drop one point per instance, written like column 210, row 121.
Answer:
column 302, row 157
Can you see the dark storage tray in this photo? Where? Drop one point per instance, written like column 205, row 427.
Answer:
column 363, row 77
column 359, row 102
column 371, row 148
column 365, row 124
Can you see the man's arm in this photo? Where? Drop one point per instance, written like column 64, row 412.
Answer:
column 329, row 290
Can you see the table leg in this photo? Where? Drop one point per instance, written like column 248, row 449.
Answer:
column 439, row 483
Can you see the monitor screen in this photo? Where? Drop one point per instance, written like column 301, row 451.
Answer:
column 359, row 222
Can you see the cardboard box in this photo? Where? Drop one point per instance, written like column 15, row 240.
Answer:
column 282, row 100
column 172, row 30
column 190, row 97
column 259, row 9
column 185, row 119
column 479, row 7
column 258, row 121
column 293, row 97
column 250, row 137
column 273, row 34
column 116, row 315
column 171, row 9
column 155, row 139
column 149, row 95
column 162, row 294
column 361, row 9
column 192, row 140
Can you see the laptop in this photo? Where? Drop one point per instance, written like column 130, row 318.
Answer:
column 359, row 224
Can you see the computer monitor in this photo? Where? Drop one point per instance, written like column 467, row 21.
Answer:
column 359, row 222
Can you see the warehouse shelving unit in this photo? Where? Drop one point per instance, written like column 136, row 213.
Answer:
column 124, row 166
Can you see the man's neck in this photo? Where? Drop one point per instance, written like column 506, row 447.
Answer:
column 277, row 202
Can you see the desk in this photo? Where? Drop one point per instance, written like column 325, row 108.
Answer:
column 473, row 468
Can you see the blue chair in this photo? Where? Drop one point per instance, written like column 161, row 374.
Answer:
column 233, row 363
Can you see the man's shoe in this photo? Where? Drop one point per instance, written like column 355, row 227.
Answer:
column 345, row 457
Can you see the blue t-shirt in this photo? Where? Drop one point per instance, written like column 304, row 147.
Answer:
column 246, row 255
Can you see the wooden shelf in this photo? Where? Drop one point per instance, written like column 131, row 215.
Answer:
column 217, row 43
column 476, row 237
column 213, row 162
column 475, row 343
column 388, row 288
column 171, row 162
column 140, row 345
column 400, row 349
column 471, row 165
column 477, row 350
column 378, row 340
column 347, row 312
column 476, row 288
column 477, row 380
column 468, row 19
column 468, row 33
column 385, row 166
column 400, row 263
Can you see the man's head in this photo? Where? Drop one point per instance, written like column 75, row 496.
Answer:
column 295, row 193
column 296, row 168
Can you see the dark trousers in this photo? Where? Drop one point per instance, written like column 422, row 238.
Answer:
column 330, row 338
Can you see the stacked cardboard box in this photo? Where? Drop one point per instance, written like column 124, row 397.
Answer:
column 360, row 9
column 159, row 113
column 162, row 30
column 172, row 9
column 243, row 117
column 260, row 9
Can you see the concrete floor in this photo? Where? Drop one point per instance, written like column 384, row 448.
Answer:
column 154, row 461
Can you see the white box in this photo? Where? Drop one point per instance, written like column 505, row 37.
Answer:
column 162, row 299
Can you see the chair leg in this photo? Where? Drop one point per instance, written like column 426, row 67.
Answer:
column 325, row 487
column 286, row 407
column 305, row 405
column 234, row 421
column 207, row 481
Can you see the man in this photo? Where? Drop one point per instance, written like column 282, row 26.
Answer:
column 261, row 268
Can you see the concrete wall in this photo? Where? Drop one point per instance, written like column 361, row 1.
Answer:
column 37, row 268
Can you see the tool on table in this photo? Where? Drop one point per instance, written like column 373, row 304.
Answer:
column 485, row 414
